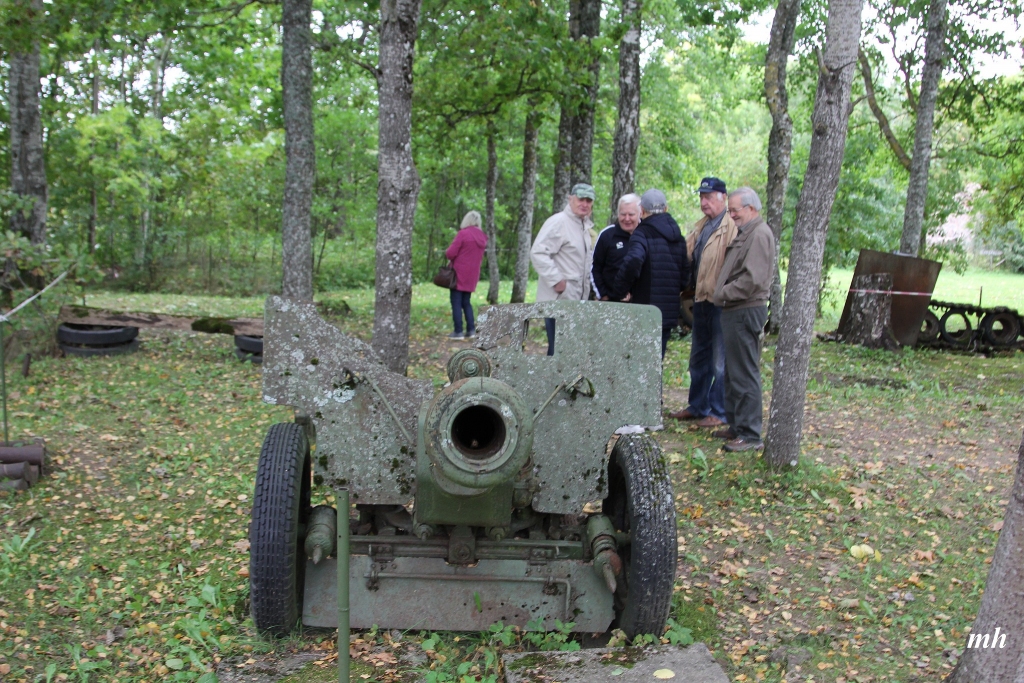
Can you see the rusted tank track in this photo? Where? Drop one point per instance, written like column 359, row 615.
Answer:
column 972, row 328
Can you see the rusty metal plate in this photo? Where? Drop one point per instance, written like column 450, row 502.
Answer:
column 909, row 274
column 429, row 593
column 616, row 348
column 358, row 442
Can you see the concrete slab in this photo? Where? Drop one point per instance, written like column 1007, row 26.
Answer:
column 693, row 664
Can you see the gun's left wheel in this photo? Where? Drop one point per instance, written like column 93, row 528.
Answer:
column 280, row 510
column 640, row 502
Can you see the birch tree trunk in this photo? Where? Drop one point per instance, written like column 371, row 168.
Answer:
column 829, row 123
column 398, row 183
column 563, row 156
column 492, row 230
column 300, row 156
column 94, row 191
column 1002, row 605
column 780, row 141
column 627, row 125
column 583, row 123
column 917, row 187
column 524, row 227
column 28, row 167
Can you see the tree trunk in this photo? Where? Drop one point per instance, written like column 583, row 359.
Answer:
column 398, row 183
column 94, row 192
column 917, row 187
column 829, row 123
column 28, row 168
column 492, row 231
column 780, row 140
column 627, row 125
column 583, row 123
column 524, row 227
column 1002, row 605
column 870, row 321
column 563, row 156
column 300, row 156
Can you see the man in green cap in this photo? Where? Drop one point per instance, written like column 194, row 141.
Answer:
column 563, row 251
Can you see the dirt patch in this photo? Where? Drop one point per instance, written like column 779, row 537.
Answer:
column 264, row 668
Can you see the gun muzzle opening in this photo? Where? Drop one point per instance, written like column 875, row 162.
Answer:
column 478, row 432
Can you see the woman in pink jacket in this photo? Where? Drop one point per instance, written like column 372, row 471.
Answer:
column 466, row 254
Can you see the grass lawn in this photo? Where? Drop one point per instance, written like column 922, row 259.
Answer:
column 129, row 561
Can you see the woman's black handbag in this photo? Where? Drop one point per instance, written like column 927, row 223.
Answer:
column 445, row 277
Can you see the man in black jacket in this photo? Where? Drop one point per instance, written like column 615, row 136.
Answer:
column 655, row 269
column 612, row 245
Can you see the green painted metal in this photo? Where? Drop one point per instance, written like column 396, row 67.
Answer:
column 471, row 500
column 429, row 593
column 321, row 533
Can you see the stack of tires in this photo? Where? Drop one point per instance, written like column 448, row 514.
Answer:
column 248, row 348
column 97, row 340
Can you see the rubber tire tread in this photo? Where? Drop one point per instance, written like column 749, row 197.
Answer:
column 113, row 335
column 89, row 351
column 1011, row 324
column 930, row 327
column 254, row 358
column 961, row 339
column 248, row 343
column 650, row 514
column 281, row 503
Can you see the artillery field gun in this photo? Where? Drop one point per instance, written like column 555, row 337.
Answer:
column 505, row 496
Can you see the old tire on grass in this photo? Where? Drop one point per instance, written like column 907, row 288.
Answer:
column 930, row 327
column 95, row 335
column 1000, row 327
column 254, row 358
column 280, row 510
column 112, row 350
column 249, row 343
column 955, row 336
column 640, row 502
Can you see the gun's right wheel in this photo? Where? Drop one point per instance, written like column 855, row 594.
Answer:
column 640, row 502
column 280, row 510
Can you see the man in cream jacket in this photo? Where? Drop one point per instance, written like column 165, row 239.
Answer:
column 562, row 254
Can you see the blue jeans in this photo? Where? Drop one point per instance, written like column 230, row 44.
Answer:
column 707, row 361
column 461, row 304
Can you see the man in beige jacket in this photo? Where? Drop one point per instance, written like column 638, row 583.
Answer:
column 562, row 254
column 742, row 292
column 705, row 247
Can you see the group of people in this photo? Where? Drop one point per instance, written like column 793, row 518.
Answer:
column 727, row 262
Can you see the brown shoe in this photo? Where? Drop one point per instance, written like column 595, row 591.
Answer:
column 737, row 445
column 726, row 433
column 684, row 414
column 710, row 422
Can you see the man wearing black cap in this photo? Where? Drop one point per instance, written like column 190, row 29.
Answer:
column 655, row 269
column 705, row 246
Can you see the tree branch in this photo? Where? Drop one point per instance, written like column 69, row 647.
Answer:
column 883, row 120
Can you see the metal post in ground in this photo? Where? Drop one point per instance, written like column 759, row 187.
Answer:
column 3, row 379
column 341, row 496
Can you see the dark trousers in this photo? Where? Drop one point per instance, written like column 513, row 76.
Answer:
column 461, row 304
column 666, row 332
column 549, row 327
column 741, row 331
column 707, row 362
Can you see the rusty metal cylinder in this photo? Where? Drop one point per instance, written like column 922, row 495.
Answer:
column 35, row 455
column 479, row 433
column 20, row 470
column 321, row 532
